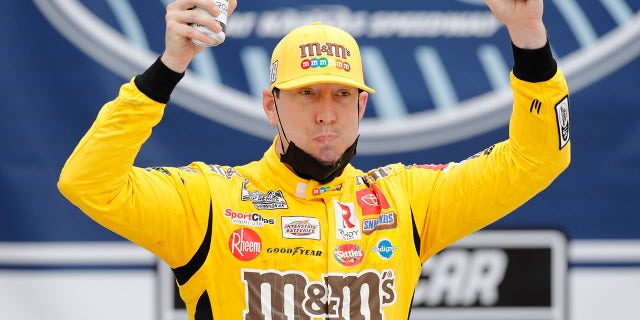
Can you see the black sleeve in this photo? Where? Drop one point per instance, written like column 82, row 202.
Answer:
column 534, row 65
column 158, row 81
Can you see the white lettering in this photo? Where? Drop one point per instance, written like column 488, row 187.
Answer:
column 372, row 24
column 459, row 277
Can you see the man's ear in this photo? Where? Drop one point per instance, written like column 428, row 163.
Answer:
column 269, row 107
column 362, row 103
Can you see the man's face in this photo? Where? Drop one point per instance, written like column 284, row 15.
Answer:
column 321, row 119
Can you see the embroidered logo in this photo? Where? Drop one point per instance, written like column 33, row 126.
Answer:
column 263, row 201
column 562, row 114
column 245, row 244
column 347, row 223
column 300, row 228
column 348, row 254
column 383, row 221
column 371, row 200
column 253, row 219
column 384, row 249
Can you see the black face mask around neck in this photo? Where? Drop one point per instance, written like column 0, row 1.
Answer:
column 308, row 167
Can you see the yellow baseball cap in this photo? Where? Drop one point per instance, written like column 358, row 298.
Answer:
column 316, row 53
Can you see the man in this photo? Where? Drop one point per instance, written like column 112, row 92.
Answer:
column 302, row 234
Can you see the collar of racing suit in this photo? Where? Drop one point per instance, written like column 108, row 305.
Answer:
column 303, row 188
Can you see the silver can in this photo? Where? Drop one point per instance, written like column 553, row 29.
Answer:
column 222, row 18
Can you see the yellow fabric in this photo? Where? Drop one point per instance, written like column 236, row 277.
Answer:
column 276, row 235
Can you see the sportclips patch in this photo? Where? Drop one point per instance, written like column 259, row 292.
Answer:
column 562, row 116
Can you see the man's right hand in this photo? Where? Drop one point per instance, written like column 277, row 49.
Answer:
column 523, row 19
column 179, row 49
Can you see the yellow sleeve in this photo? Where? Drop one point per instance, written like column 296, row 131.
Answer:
column 452, row 201
column 157, row 208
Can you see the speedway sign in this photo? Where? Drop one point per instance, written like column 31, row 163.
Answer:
column 412, row 53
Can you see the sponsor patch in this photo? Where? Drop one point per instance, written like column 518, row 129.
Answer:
column 189, row 169
column 333, row 296
column 263, row 201
column 293, row 251
column 162, row 170
column 348, row 254
column 252, row 219
column 227, row 172
column 371, row 200
column 347, row 223
column 245, row 244
column 382, row 221
column 380, row 173
column 562, row 115
column 300, row 228
column 273, row 70
column 320, row 190
column 384, row 248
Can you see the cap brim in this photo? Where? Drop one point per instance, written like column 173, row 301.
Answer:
column 315, row 79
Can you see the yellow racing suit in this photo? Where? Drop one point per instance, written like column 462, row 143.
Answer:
column 258, row 242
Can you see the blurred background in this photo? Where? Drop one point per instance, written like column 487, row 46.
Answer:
column 441, row 74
